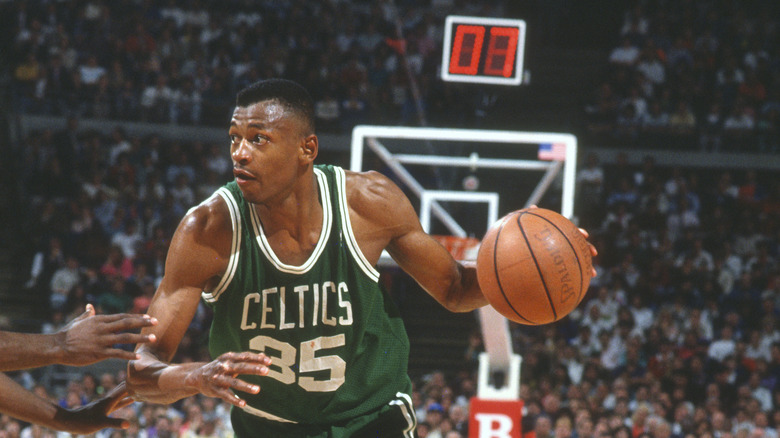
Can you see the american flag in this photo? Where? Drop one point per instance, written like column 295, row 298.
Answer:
column 552, row 151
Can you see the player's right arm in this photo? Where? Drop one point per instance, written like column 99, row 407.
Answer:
column 87, row 339
column 198, row 255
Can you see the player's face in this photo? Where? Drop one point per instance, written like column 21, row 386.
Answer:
column 265, row 144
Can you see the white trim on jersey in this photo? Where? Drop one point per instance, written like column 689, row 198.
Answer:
column 327, row 221
column 349, row 236
column 263, row 414
column 404, row 402
column 235, row 247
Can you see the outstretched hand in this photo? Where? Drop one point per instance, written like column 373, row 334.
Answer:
column 92, row 417
column 219, row 377
column 90, row 338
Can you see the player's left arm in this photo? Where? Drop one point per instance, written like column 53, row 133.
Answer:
column 452, row 283
column 379, row 206
column 383, row 217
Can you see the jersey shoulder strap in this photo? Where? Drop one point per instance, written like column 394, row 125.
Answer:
column 232, row 203
column 346, row 224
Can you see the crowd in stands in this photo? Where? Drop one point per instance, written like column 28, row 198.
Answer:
column 181, row 62
column 701, row 75
column 697, row 75
column 679, row 335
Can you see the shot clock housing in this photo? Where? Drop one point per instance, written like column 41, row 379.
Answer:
column 483, row 50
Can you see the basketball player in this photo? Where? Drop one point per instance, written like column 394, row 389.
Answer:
column 286, row 256
column 84, row 341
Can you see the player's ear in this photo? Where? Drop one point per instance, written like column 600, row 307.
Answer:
column 309, row 148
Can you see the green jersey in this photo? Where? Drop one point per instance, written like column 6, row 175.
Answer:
column 338, row 346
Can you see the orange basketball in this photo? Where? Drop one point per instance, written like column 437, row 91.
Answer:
column 534, row 266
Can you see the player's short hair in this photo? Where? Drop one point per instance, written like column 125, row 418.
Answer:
column 289, row 94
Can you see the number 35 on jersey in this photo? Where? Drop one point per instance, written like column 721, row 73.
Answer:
column 483, row 50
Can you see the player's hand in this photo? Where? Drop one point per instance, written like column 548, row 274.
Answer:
column 92, row 417
column 90, row 338
column 219, row 377
column 593, row 251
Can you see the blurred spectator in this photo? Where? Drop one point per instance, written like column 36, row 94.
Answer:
column 186, row 104
column 626, row 54
column 217, row 161
column 434, row 416
column 156, row 101
column 120, row 145
column 354, row 110
column 655, row 120
column 90, row 74
column 711, row 131
column 63, row 280
column 543, row 427
column 682, row 120
column 651, row 66
column 327, row 112
column 738, row 127
column 127, row 103
column 180, row 166
column 54, row 85
column 45, row 262
column 603, row 109
column 26, row 76
column 724, row 346
column 590, row 180
column 181, row 192
column 627, row 124
column 129, row 239
column 117, row 264
column 115, row 299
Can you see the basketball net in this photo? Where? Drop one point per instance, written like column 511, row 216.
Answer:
column 499, row 365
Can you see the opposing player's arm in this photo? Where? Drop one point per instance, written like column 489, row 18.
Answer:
column 384, row 217
column 87, row 339
column 27, row 406
column 199, row 253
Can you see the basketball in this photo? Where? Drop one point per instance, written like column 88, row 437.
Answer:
column 534, row 266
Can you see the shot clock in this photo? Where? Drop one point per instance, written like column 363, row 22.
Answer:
column 483, row 50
